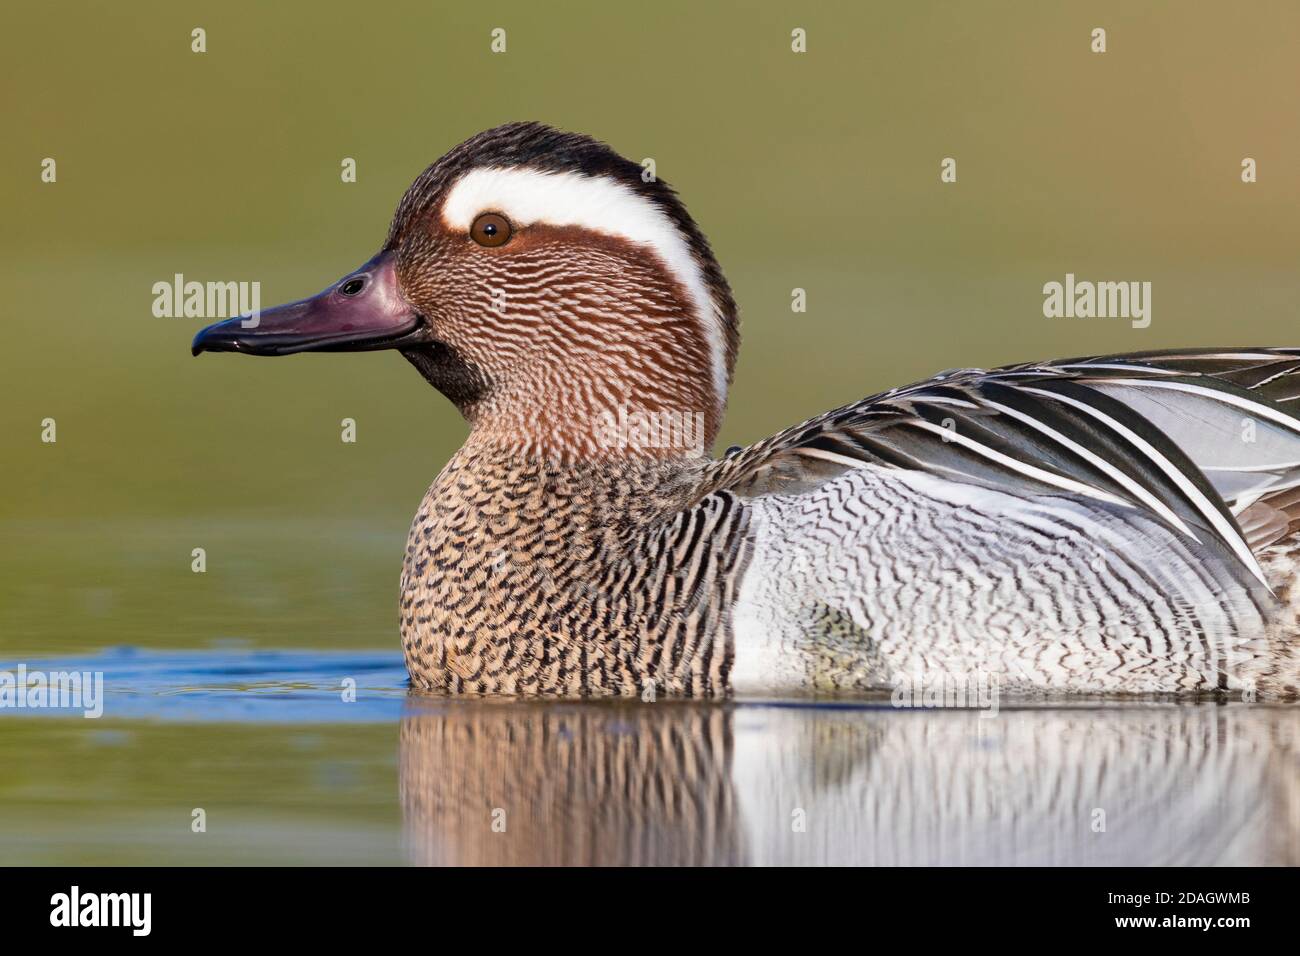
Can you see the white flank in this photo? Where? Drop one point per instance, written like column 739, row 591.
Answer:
column 526, row 196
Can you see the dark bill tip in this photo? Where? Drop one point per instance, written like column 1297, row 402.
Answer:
column 231, row 336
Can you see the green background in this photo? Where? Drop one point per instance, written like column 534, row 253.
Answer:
column 816, row 170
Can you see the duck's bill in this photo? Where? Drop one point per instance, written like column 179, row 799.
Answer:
column 363, row 311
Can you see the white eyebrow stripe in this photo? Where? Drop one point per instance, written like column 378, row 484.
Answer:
column 527, row 196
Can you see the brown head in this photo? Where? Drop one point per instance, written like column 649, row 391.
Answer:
column 572, row 310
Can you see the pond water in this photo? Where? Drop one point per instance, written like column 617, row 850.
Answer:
column 285, row 770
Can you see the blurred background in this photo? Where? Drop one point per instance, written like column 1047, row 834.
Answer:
column 818, row 170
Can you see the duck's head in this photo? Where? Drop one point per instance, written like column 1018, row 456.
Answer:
column 544, row 284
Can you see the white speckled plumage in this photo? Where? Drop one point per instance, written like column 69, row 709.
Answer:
column 880, row 575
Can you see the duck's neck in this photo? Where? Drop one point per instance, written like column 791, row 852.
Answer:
column 571, row 413
column 619, row 379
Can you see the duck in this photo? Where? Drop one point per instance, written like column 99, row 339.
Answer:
column 1100, row 526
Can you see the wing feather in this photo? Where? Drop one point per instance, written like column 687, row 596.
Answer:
column 1197, row 438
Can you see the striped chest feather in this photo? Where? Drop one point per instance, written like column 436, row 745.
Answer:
column 533, row 578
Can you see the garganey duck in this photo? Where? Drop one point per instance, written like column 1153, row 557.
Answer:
column 1108, row 525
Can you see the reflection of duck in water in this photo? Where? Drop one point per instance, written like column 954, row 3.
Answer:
column 1085, row 525
column 519, row 783
column 510, row 783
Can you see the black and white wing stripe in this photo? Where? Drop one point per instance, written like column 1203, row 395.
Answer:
column 1196, row 438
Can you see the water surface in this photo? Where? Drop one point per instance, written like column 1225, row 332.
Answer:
column 287, row 770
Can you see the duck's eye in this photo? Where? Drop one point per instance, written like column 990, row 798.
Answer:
column 352, row 286
column 490, row 229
